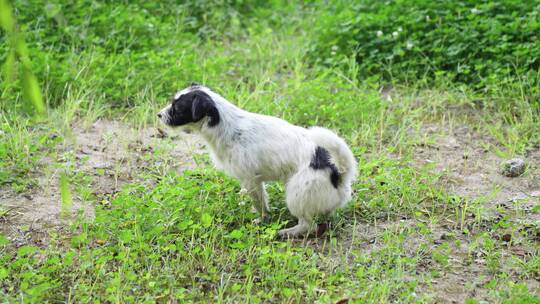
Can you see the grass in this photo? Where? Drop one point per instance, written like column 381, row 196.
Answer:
column 188, row 237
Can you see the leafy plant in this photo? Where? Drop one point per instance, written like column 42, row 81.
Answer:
column 472, row 42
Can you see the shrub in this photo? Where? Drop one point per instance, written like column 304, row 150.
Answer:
column 472, row 42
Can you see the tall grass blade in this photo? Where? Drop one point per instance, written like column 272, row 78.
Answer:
column 66, row 200
column 31, row 91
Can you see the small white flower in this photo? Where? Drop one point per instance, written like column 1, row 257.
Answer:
column 379, row 33
column 335, row 48
column 395, row 34
column 400, row 29
column 475, row 11
column 409, row 45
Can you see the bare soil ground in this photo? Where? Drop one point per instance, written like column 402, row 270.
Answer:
column 103, row 157
column 470, row 170
column 473, row 174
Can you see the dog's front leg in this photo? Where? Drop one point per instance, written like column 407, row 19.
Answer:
column 259, row 196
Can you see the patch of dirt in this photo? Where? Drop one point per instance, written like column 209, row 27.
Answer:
column 472, row 172
column 101, row 158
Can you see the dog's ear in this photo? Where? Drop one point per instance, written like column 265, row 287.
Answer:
column 202, row 106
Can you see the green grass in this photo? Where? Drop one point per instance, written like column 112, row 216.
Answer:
column 480, row 43
column 189, row 237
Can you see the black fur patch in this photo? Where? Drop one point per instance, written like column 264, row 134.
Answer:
column 321, row 160
column 192, row 107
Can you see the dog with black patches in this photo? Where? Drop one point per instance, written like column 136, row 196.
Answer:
column 315, row 164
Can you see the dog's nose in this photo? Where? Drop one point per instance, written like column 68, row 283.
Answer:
column 159, row 115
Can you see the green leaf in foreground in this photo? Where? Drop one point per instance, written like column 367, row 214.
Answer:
column 6, row 18
column 206, row 219
column 19, row 52
column 31, row 91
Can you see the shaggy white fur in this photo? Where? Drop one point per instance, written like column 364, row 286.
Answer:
column 257, row 148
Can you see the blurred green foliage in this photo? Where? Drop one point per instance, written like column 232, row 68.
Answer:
column 473, row 42
column 126, row 48
column 118, row 47
column 17, row 52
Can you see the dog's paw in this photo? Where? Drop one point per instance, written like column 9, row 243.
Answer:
column 301, row 231
column 282, row 234
column 289, row 233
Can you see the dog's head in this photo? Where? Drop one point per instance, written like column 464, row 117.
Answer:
column 189, row 106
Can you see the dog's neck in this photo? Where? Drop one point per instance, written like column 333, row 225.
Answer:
column 221, row 135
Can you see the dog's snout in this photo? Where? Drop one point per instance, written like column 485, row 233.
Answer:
column 159, row 115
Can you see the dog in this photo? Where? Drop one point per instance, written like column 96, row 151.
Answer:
column 315, row 164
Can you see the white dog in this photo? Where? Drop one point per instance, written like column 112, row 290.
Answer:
column 315, row 164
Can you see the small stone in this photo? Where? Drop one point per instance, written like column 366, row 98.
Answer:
column 514, row 167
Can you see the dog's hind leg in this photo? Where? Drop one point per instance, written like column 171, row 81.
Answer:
column 259, row 196
column 302, row 228
column 310, row 193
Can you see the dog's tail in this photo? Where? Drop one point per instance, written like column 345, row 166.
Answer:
column 339, row 151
